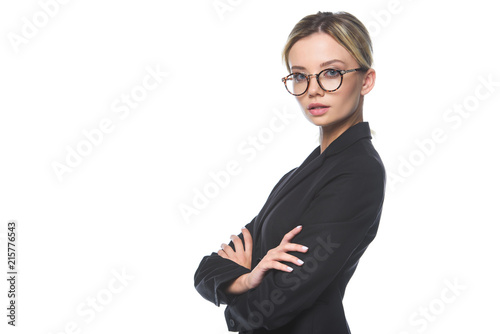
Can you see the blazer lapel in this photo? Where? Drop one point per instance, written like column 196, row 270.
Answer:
column 314, row 161
column 310, row 165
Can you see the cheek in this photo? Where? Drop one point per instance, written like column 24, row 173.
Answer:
column 347, row 103
column 302, row 101
column 349, row 95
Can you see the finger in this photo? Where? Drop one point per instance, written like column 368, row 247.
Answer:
column 290, row 247
column 248, row 240
column 238, row 245
column 266, row 265
column 289, row 236
column 285, row 257
column 222, row 254
column 278, row 254
column 227, row 249
column 280, row 266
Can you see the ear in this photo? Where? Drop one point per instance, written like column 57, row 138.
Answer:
column 368, row 81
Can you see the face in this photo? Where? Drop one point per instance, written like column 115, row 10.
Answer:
column 343, row 107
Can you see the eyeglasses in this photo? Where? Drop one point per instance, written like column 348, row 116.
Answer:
column 329, row 80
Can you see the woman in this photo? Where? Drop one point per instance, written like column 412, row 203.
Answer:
column 287, row 271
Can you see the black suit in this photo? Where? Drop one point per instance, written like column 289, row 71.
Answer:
column 337, row 197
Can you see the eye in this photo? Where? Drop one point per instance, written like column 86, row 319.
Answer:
column 298, row 77
column 331, row 73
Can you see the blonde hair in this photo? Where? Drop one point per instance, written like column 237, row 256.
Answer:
column 345, row 28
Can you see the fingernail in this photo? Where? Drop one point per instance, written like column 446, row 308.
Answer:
column 289, row 268
column 299, row 261
column 305, row 248
column 243, row 228
column 299, row 226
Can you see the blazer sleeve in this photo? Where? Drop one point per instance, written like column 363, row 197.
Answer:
column 214, row 271
column 339, row 224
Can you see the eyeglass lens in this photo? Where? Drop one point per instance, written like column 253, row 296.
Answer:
column 297, row 83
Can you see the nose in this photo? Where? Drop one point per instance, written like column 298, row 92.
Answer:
column 314, row 88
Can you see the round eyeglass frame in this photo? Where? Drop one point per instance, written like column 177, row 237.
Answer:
column 341, row 72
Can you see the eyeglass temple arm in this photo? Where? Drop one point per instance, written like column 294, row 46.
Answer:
column 340, row 71
column 349, row 71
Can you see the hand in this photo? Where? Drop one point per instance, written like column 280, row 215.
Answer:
column 241, row 255
column 273, row 258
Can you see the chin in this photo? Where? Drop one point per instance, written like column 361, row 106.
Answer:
column 322, row 120
column 319, row 122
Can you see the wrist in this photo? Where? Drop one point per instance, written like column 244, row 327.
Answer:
column 245, row 282
column 238, row 286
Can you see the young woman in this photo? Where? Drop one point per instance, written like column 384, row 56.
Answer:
column 287, row 271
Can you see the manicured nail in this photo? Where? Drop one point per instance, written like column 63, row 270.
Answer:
column 243, row 228
column 305, row 248
column 289, row 268
column 299, row 226
column 299, row 261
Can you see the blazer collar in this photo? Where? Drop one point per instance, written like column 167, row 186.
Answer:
column 315, row 160
column 347, row 138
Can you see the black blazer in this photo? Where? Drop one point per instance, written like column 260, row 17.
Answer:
column 337, row 197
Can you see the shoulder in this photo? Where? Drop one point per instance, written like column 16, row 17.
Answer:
column 361, row 157
column 356, row 171
column 282, row 179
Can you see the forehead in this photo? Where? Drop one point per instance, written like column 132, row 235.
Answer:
column 311, row 51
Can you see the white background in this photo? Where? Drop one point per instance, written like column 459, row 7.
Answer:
column 119, row 208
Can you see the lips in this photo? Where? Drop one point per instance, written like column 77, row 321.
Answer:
column 316, row 106
column 317, row 109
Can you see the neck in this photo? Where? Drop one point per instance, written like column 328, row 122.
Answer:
column 328, row 134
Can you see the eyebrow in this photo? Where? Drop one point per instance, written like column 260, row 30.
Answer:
column 326, row 63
